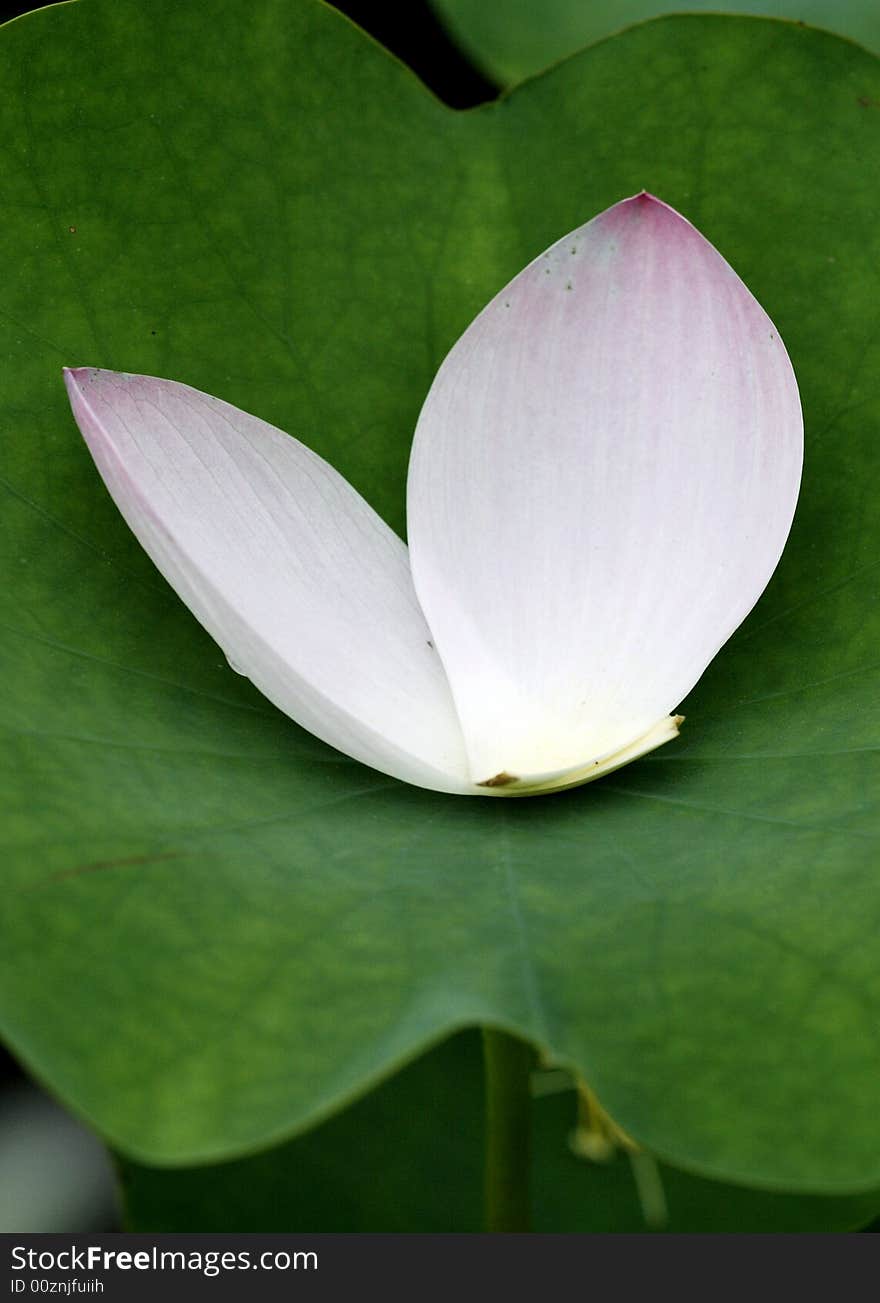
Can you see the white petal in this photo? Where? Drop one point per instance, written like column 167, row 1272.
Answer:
column 304, row 587
column 602, row 481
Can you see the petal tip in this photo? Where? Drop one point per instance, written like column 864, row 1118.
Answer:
column 642, row 199
column 76, row 377
column 646, row 202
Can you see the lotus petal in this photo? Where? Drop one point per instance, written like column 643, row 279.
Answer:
column 304, row 587
column 603, row 478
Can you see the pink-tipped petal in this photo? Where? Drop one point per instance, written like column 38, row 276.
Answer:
column 603, row 478
column 304, row 587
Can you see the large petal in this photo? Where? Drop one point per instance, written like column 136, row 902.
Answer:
column 602, row 481
column 304, row 587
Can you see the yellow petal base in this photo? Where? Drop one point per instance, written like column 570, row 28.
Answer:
column 505, row 784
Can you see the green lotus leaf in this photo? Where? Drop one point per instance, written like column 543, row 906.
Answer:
column 216, row 930
column 514, row 39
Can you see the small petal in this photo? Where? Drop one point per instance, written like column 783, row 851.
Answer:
column 304, row 587
column 603, row 478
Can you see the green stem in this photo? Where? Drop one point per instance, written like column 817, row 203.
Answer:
column 508, row 1063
